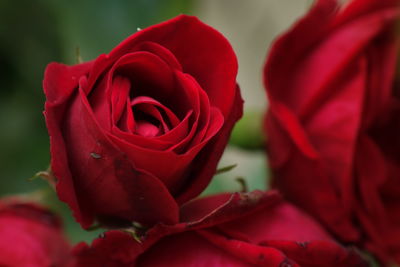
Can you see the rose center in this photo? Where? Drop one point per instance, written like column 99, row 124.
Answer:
column 150, row 117
column 146, row 125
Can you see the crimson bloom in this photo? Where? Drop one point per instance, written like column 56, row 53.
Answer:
column 253, row 229
column 333, row 123
column 31, row 236
column 143, row 125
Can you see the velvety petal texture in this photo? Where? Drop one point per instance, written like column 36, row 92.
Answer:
column 332, row 125
column 31, row 236
column 136, row 133
column 246, row 229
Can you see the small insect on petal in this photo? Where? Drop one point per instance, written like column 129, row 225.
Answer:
column 95, row 155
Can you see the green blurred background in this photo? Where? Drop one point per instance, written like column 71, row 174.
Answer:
column 36, row 32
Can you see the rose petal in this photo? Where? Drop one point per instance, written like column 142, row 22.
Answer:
column 254, row 254
column 149, row 75
column 318, row 253
column 174, row 121
column 59, row 84
column 189, row 245
column 60, row 81
column 206, row 162
column 160, row 143
column 119, row 96
column 205, row 54
column 162, row 52
column 114, row 187
column 282, row 222
column 114, row 249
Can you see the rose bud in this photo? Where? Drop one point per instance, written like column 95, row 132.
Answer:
column 138, row 132
column 31, row 236
column 333, row 122
column 252, row 229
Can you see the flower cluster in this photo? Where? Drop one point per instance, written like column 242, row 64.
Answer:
column 136, row 136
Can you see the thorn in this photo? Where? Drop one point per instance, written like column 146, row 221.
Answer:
column 134, row 234
column 243, row 184
column 139, row 227
column 45, row 175
column 225, row 169
column 93, row 227
column 78, row 55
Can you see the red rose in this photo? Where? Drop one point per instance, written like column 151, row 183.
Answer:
column 254, row 229
column 138, row 132
column 333, row 123
column 31, row 236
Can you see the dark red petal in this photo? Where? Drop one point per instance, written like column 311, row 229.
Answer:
column 202, row 112
column 299, row 187
column 321, row 41
column 358, row 8
column 319, row 253
column 170, row 166
column 209, row 211
column 250, row 253
column 148, row 74
column 126, row 124
column 60, row 81
column 162, row 52
column 279, row 151
column 107, row 184
column 119, row 96
column 13, row 206
column 172, row 119
column 202, row 52
column 163, row 142
column 292, row 126
column 372, row 173
column 281, row 221
column 31, row 236
column 279, row 63
column 198, row 101
column 215, row 210
column 207, row 160
column 195, row 251
column 199, row 208
column 382, row 59
column 113, row 249
column 328, row 106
